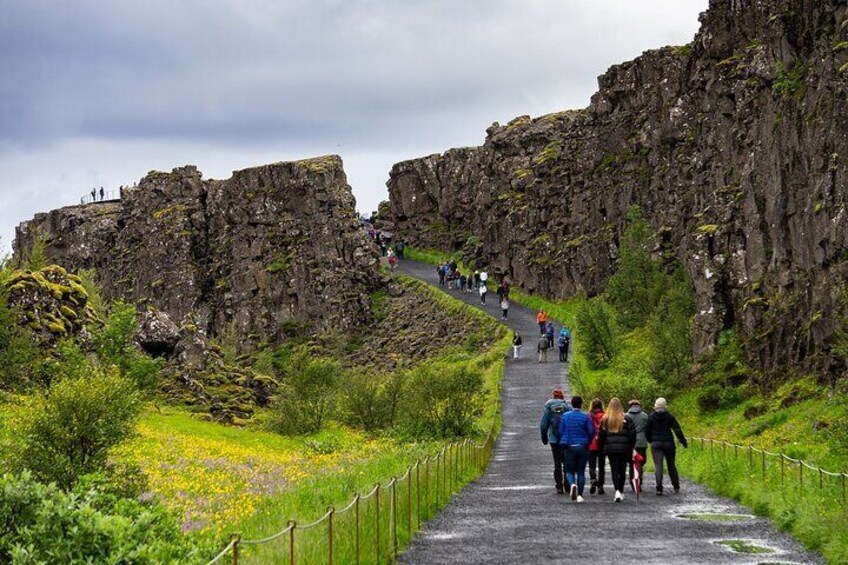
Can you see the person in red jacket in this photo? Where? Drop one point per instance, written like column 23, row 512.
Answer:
column 597, row 459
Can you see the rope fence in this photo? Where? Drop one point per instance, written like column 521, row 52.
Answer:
column 373, row 527
column 778, row 468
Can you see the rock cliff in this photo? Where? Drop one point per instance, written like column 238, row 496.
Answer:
column 736, row 149
column 273, row 250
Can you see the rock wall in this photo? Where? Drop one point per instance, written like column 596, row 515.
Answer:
column 736, row 149
column 272, row 250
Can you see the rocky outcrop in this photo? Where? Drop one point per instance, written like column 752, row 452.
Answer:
column 273, row 250
column 736, row 149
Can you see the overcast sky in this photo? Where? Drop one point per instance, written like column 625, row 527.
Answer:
column 98, row 92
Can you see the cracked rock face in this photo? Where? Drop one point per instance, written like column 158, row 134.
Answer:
column 736, row 149
column 271, row 250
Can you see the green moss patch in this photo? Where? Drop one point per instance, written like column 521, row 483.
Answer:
column 745, row 546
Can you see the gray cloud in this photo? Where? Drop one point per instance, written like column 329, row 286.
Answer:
column 373, row 80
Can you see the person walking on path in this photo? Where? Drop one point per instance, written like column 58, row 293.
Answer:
column 483, row 290
column 549, row 331
column 542, row 348
column 504, row 308
column 476, row 279
column 549, row 427
column 597, row 459
column 441, row 272
column 659, row 432
column 542, row 320
column 566, row 339
column 562, row 343
column 640, row 420
column 517, row 342
column 616, row 438
column 576, row 431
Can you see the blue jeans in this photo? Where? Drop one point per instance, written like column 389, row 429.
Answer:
column 576, row 458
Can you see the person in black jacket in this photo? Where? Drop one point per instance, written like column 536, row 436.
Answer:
column 617, row 438
column 660, row 431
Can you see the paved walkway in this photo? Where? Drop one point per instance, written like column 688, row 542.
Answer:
column 512, row 513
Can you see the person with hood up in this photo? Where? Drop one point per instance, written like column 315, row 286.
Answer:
column 640, row 420
column 597, row 459
column 542, row 348
column 555, row 408
column 616, row 438
column 576, row 431
column 562, row 342
column 659, row 432
column 549, row 332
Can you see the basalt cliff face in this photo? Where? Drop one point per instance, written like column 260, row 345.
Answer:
column 273, row 250
column 736, row 149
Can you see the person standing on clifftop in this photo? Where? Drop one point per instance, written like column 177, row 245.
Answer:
column 93, row 194
column 102, row 194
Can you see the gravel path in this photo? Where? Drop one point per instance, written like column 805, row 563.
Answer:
column 512, row 513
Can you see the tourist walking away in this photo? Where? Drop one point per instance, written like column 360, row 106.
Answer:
column 440, row 270
column 462, row 281
column 400, row 247
column 500, row 291
column 597, row 459
column 660, row 431
column 640, row 420
column 483, row 290
column 565, row 336
column 476, row 279
column 517, row 342
column 549, row 331
column 392, row 262
column 542, row 320
column 562, row 344
column 504, row 308
column 616, row 438
column 549, row 427
column 576, row 431
column 484, row 276
column 542, row 348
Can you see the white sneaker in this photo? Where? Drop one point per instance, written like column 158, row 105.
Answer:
column 579, row 498
column 573, row 492
column 618, row 496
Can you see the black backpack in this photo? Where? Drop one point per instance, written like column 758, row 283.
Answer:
column 556, row 416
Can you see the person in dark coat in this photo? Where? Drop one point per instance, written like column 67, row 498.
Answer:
column 597, row 459
column 640, row 420
column 555, row 407
column 660, row 431
column 617, row 438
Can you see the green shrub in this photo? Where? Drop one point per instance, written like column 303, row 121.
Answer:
column 669, row 330
column 41, row 524
column 307, row 395
column 67, row 431
column 598, row 332
column 371, row 401
column 116, row 346
column 443, row 399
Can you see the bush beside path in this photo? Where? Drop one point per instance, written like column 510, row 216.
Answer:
column 512, row 513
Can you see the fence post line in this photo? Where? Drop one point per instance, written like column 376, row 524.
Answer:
column 750, row 457
column 427, row 487
column 394, row 516
column 821, row 478
column 843, row 487
column 409, row 501
column 800, row 475
column 356, row 526
column 438, row 482
column 418, row 492
column 377, row 504
column 330, row 511
column 236, row 539
column 293, row 525
column 735, row 452
column 782, row 460
column 764, row 466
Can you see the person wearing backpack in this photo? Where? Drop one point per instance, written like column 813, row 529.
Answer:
column 576, row 431
column 504, row 308
column 542, row 348
column 597, row 459
column 483, row 290
column 549, row 331
column 640, row 420
column 549, row 428
column 659, row 432
column 542, row 320
column 561, row 343
column 616, row 438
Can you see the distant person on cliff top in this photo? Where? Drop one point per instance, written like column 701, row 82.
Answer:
column 542, row 320
column 517, row 342
column 102, row 194
column 504, row 308
column 549, row 427
column 93, row 194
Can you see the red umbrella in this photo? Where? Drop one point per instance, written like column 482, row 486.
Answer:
column 637, row 473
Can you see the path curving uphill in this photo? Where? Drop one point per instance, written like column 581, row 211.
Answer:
column 512, row 513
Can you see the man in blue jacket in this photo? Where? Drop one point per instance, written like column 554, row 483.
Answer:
column 555, row 409
column 576, row 431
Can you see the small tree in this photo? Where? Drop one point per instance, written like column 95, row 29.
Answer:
column 598, row 332
column 637, row 284
column 307, row 394
column 68, row 431
column 669, row 331
column 443, row 399
column 116, row 346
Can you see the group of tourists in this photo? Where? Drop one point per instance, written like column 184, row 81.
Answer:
column 546, row 338
column 578, row 439
column 451, row 277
